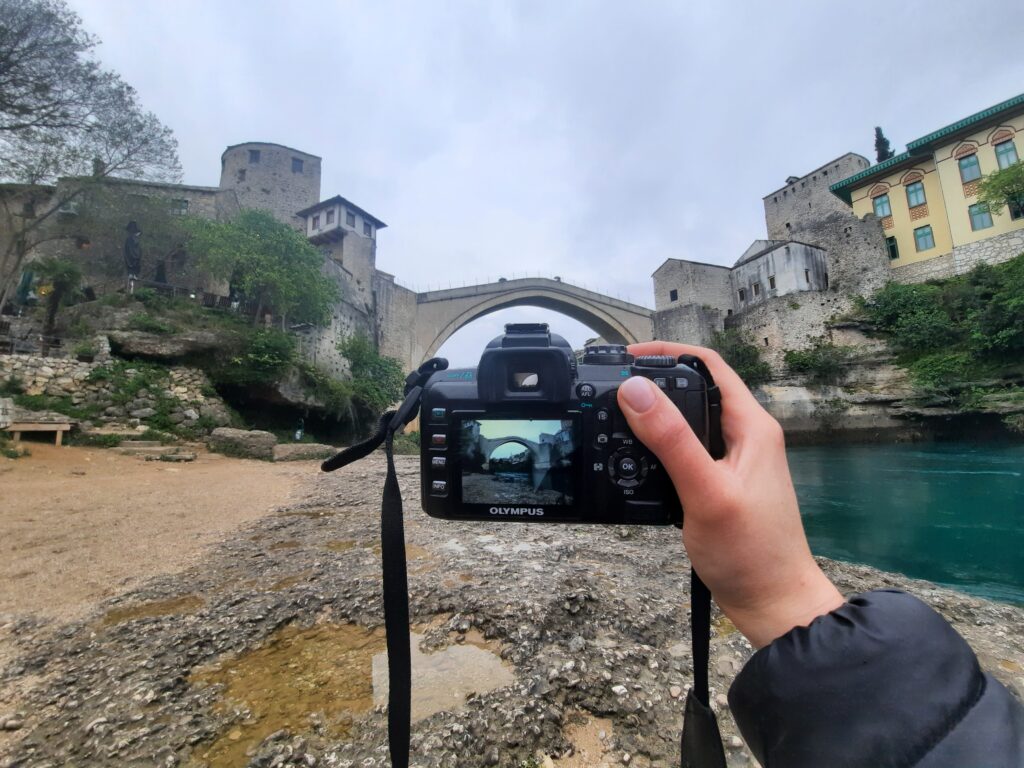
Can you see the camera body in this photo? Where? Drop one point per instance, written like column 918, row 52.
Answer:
column 532, row 435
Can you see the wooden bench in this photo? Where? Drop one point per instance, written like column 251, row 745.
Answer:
column 17, row 427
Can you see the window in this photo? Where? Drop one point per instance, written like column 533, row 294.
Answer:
column 743, row 295
column 771, row 282
column 316, row 221
column 915, row 194
column 1006, row 153
column 179, row 207
column 807, row 276
column 296, row 165
column 254, row 156
column 923, row 238
column 882, row 207
column 893, row 248
column 330, row 216
column 766, row 341
column 969, row 168
column 1016, row 208
column 757, row 289
column 241, row 174
column 673, row 295
column 350, row 218
column 367, row 228
column 981, row 218
column 728, row 312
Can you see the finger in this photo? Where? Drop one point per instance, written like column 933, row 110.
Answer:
column 659, row 425
column 740, row 409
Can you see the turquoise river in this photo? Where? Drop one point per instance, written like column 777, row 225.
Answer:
column 952, row 513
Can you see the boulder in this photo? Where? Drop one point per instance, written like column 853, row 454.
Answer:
column 155, row 346
column 303, row 451
column 244, row 443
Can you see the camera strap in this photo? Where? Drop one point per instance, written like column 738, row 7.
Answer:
column 701, row 742
column 393, row 561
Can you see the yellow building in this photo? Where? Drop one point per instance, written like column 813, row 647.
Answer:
column 926, row 197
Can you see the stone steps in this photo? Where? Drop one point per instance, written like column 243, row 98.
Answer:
column 141, row 444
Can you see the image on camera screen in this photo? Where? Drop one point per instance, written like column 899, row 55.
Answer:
column 518, row 461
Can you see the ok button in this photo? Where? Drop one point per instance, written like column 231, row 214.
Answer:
column 627, row 468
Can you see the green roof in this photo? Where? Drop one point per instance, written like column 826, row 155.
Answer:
column 842, row 189
column 967, row 122
column 918, row 147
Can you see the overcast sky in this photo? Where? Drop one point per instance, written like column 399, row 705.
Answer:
column 590, row 140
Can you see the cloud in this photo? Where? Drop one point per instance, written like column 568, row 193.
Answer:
column 588, row 140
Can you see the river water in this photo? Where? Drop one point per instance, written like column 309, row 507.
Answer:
column 952, row 513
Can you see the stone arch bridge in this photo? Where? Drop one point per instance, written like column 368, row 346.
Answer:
column 415, row 325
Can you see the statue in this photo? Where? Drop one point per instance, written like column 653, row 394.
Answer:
column 133, row 253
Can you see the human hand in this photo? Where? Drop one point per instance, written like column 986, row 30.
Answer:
column 741, row 522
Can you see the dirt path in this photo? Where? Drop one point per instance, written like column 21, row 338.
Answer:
column 81, row 525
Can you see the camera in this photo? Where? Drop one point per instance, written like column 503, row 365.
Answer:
column 534, row 435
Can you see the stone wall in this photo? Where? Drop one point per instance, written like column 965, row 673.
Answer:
column 688, row 324
column 964, row 258
column 789, row 322
column 349, row 317
column 396, row 315
column 187, row 393
column 807, row 199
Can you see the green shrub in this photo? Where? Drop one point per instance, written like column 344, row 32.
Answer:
column 407, row 444
column 12, row 385
column 744, row 356
column 265, row 357
column 91, row 440
column 822, row 363
column 62, row 404
column 147, row 323
column 940, row 370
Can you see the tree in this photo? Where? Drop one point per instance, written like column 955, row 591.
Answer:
column 63, row 277
column 1002, row 188
column 882, row 151
column 270, row 263
column 63, row 115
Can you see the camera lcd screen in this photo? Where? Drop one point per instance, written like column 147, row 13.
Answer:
column 518, row 461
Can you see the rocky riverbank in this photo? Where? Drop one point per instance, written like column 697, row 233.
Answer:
column 265, row 653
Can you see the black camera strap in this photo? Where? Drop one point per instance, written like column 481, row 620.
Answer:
column 701, row 743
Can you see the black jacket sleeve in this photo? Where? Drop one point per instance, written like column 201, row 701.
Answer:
column 881, row 681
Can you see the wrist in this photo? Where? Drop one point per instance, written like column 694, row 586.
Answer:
column 812, row 596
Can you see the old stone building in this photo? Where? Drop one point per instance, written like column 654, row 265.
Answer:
column 271, row 177
column 782, row 290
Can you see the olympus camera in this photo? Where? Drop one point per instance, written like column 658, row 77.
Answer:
column 534, row 435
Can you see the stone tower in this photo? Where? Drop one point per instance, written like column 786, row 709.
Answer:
column 273, row 178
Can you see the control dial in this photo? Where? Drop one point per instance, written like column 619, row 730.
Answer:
column 655, row 361
column 606, row 354
column 627, row 469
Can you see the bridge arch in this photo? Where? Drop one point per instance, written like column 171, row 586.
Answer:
column 602, row 321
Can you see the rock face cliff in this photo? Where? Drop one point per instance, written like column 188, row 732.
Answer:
column 876, row 400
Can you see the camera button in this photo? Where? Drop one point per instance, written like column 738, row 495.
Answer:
column 439, row 440
column 602, row 439
column 627, row 467
column 438, row 414
column 586, row 391
column 661, row 382
column 439, row 488
column 438, row 462
column 602, row 415
column 682, row 382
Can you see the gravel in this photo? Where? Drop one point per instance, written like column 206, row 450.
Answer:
column 591, row 619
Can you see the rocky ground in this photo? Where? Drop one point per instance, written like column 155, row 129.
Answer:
column 262, row 653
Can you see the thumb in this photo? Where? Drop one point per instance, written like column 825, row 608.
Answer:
column 659, row 425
